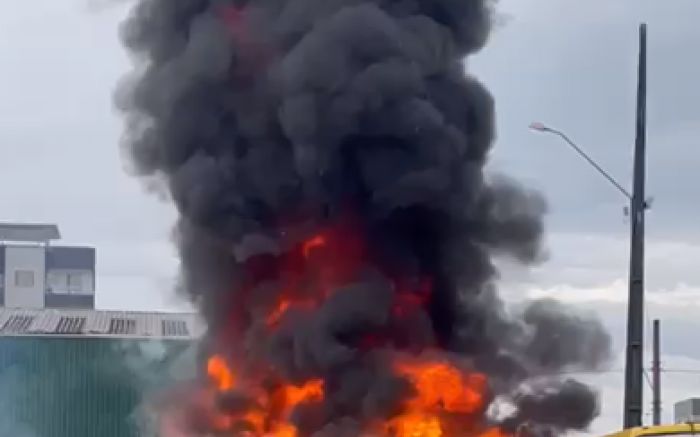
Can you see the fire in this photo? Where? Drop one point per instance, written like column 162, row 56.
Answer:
column 439, row 385
column 417, row 425
column 311, row 391
column 493, row 432
column 220, row 373
column 273, row 318
column 446, row 402
column 332, row 270
column 270, row 414
column 313, row 242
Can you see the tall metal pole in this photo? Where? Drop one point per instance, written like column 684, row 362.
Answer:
column 656, row 375
column 635, row 317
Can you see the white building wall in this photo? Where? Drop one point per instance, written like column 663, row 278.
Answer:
column 687, row 411
column 25, row 276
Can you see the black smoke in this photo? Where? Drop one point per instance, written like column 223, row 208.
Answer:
column 268, row 120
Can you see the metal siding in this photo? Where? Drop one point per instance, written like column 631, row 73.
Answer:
column 695, row 407
column 2, row 275
column 28, row 232
column 79, row 387
column 44, row 322
column 682, row 411
column 120, row 324
column 149, row 326
column 98, row 323
column 79, row 301
column 70, row 258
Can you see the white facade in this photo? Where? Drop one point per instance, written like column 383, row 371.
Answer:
column 687, row 411
column 25, row 268
column 36, row 274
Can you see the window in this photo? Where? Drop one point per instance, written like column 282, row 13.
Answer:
column 24, row 278
column 75, row 281
column 69, row 281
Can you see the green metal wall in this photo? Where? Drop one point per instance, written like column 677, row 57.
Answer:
column 83, row 387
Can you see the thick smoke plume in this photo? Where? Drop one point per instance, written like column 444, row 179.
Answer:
column 347, row 126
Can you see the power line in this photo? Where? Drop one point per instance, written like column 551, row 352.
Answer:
column 606, row 371
column 692, row 371
column 646, row 377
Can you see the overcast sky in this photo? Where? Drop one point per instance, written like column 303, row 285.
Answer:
column 568, row 63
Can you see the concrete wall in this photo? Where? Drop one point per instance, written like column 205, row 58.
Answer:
column 25, row 268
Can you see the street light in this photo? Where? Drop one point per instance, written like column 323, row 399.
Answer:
column 634, row 365
column 541, row 127
column 634, row 369
column 637, row 205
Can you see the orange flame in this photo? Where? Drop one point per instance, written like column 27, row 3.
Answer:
column 270, row 416
column 219, row 372
column 446, row 401
column 311, row 391
column 440, row 389
column 314, row 242
column 439, row 385
column 493, row 432
column 278, row 312
column 416, row 425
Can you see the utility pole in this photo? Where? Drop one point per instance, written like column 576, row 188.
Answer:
column 656, row 375
column 634, row 365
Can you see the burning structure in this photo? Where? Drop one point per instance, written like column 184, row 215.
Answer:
column 336, row 227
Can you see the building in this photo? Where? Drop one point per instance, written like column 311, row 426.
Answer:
column 37, row 274
column 86, row 373
column 687, row 411
column 67, row 369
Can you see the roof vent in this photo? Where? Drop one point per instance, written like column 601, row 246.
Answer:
column 17, row 324
column 70, row 325
column 174, row 328
column 122, row 326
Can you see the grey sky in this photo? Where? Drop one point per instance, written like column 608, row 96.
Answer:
column 569, row 63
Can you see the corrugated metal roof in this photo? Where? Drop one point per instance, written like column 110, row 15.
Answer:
column 28, row 232
column 174, row 327
column 122, row 324
column 17, row 323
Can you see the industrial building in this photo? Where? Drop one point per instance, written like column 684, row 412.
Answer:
column 36, row 274
column 66, row 369
column 687, row 411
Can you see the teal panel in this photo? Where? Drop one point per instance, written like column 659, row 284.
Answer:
column 83, row 387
